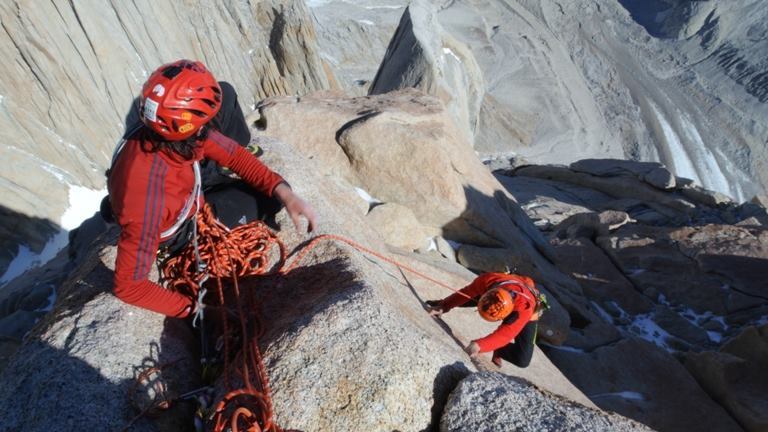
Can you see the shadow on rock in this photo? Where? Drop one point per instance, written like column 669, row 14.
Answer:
column 445, row 381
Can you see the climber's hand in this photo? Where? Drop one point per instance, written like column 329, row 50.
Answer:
column 435, row 308
column 473, row 349
column 296, row 207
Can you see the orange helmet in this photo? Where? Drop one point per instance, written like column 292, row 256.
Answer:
column 496, row 304
column 178, row 99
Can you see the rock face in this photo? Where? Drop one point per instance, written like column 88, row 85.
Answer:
column 478, row 57
column 73, row 72
column 82, row 361
column 534, row 77
column 682, row 271
column 487, row 402
column 353, row 37
column 735, row 376
column 381, row 144
column 665, row 398
column 347, row 344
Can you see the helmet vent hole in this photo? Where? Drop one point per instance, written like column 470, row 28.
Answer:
column 198, row 113
column 171, row 71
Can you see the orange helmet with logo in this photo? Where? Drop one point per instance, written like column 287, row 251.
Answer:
column 496, row 304
column 179, row 98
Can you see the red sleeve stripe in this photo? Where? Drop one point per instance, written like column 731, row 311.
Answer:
column 153, row 211
column 227, row 144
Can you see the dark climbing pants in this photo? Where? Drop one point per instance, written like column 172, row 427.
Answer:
column 520, row 352
column 232, row 201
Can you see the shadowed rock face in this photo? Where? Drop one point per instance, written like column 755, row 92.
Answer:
column 735, row 376
column 693, row 285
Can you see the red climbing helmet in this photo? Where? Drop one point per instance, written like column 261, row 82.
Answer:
column 179, row 98
column 496, row 304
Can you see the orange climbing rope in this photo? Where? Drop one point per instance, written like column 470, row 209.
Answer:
column 232, row 254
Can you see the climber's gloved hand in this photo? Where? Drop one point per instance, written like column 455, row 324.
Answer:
column 473, row 349
column 296, row 207
column 435, row 308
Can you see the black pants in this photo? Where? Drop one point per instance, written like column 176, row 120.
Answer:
column 232, row 201
column 520, row 352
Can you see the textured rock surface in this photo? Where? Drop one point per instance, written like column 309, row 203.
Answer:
column 353, row 37
column 736, row 376
column 644, row 383
column 84, row 357
column 398, row 226
column 352, row 348
column 502, row 76
column 73, row 70
column 489, row 402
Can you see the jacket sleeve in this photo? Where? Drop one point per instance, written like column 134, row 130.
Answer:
column 139, row 212
column 135, row 255
column 228, row 153
column 474, row 289
column 509, row 328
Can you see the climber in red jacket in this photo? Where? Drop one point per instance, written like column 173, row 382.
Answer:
column 509, row 298
column 156, row 181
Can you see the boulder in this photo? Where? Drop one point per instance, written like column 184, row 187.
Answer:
column 99, row 346
column 645, row 383
column 735, row 376
column 617, row 187
column 381, row 144
column 488, row 402
column 352, row 347
column 660, row 178
column 398, row 226
column 591, row 225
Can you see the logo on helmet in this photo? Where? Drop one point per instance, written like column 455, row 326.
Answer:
column 186, row 127
column 150, row 110
column 159, row 90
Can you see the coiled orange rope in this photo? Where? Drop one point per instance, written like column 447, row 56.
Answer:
column 232, row 254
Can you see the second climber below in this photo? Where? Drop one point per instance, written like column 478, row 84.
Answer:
column 509, row 298
column 157, row 178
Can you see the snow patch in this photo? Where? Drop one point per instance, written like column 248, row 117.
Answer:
column 644, row 327
column 51, row 301
column 449, row 52
column 602, row 312
column 83, row 203
column 367, row 197
column 624, row 394
column 563, row 348
column 366, row 22
column 683, row 166
column 713, row 177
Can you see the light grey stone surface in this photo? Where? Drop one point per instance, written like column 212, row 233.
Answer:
column 490, row 402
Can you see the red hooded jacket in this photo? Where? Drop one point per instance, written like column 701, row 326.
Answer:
column 147, row 192
column 525, row 304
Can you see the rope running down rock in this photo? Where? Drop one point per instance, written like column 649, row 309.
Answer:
column 232, row 254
